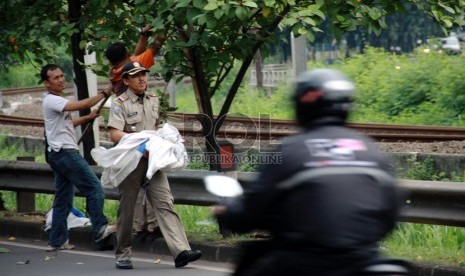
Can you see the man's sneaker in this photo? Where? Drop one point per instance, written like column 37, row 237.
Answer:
column 124, row 264
column 186, row 257
column 65, row 246
column 104, row 232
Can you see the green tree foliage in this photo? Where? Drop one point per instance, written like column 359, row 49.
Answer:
column 205, row 36
column 405, row 31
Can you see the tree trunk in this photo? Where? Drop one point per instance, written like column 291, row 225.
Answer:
column 75, row 12
column 209, row 134
column 258, row 68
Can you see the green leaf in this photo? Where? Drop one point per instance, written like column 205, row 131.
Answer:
column 212, row 64
column 310, row 36
column 319, row 13
column 210, row 6
column 104, row 3
column 198, row 4
column 241, row 13
column 82, row 44
column 218, row 13
column 309, row 21
column 340, row 18
column 374, row 14
column 183, row 3
column 173, row 57
column 291, row 21
column 158, row 24
column 201, row 19
column 382, row 23
column 211, row 22
column 70, row 32
column 447, row 8
column 143, row 9
column 192, row 13
column 250, row 4
column 296, row 28
column 447, row 22
column 302, row 31
column 313, row 7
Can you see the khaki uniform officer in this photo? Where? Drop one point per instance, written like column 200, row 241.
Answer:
column 134, row 111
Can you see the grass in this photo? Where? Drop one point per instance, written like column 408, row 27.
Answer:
column 275, row 102
column 427, row 243
column 198, row 221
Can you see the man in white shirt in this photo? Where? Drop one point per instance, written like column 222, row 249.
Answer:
column 69, row 167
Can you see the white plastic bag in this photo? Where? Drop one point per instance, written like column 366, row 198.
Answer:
column 73, row 220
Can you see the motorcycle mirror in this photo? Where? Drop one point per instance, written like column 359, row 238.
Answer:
column 223, row 186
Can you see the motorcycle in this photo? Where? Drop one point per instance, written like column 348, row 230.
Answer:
column 227, row 187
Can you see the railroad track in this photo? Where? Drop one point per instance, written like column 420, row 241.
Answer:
column 263, row 128
column 23, row 121
column 266, row 129
column 70, row 87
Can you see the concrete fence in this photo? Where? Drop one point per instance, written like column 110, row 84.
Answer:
column 273, row 75
column 428, row 202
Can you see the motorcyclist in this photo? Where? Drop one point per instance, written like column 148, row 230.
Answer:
column 329, row 202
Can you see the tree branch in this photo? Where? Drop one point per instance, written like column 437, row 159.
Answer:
column 199, row 80
column 244, row 67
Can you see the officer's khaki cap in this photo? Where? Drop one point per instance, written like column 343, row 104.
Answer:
column 133, row 68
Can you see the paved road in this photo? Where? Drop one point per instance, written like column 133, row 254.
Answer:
column 26, row 258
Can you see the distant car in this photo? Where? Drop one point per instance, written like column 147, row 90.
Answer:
column 451, row 45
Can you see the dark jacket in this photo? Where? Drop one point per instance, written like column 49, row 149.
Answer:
column 332, row 198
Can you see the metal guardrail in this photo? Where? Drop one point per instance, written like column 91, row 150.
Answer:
column 428, row 202
column 186, row 185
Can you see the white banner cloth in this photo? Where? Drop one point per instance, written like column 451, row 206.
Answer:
column 166, row 153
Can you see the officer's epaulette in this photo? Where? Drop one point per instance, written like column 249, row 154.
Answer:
column 123, row 97
column 151, row 95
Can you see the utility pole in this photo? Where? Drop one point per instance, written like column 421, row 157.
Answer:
column 299, row 54
column 171, row 91
column 92, row 87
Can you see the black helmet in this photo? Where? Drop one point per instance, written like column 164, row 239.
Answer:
column 322, row 93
